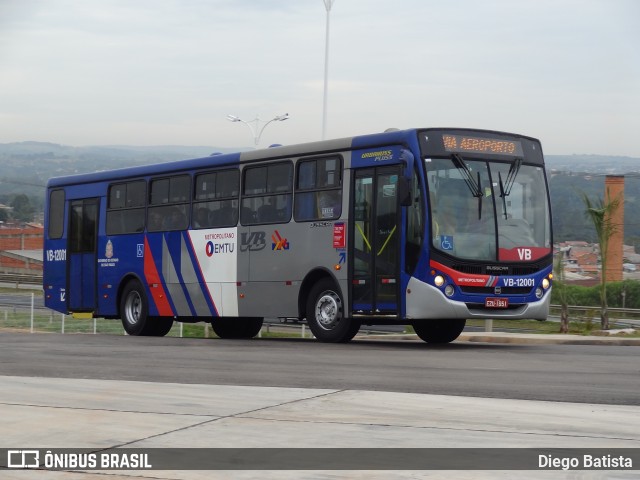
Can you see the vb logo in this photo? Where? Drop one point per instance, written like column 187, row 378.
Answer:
column 253, row 241
column 524, row 254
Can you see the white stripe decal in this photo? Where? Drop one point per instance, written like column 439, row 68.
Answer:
column 217, row 254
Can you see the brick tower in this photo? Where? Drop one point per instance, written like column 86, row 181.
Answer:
column 614, row 189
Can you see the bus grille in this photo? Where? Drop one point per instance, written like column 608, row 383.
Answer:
column 511, row 270
column 491, row 290
column 470, row 269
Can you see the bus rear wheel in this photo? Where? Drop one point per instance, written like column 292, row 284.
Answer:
column 241, row 327
column 325, row 314
column 439, row 331
column 134, row 309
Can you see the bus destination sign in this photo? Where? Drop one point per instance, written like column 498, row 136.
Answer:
column 497, row 146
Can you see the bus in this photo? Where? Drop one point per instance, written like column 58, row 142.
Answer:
column 422, row 227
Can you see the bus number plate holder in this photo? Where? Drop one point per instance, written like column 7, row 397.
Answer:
column 496, row 302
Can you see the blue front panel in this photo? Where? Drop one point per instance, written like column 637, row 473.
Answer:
column 55, row 274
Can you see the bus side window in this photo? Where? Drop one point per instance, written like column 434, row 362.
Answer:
column 267, row 192
column 169, row 200
column 318, row 190
column 220, row 189
column 125, row 207
column 56, row 214
column 415, row 225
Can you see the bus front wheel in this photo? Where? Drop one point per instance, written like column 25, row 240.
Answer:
column 325, row 314
column 134, row 309
column 439, row 331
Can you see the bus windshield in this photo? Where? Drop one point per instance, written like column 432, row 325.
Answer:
column 488, row 210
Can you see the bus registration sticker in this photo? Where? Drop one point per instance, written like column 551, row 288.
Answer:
column 339, row 236
column 496, row 302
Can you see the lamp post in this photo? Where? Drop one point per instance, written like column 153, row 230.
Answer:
column 256, row 131
column 328, row 4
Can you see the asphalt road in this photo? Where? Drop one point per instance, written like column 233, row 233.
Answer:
column 565, row 373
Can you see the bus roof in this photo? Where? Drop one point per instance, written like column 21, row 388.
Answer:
column 401, row 137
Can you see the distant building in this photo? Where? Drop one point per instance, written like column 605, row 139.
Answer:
column 21, row 249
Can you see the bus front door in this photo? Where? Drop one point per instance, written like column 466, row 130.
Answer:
column 376, row 238
column 82, row 242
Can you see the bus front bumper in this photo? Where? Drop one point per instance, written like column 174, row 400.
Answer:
column 426, row 301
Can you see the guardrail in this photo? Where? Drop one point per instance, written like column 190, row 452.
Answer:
column 584, row 313
column 21, row 278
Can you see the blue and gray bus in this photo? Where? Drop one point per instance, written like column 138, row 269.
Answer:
column 423, row 227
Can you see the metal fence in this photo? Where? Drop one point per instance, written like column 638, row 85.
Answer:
column 25, row 312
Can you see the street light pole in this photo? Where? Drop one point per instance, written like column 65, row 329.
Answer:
column 256, row 131
column 328, row 4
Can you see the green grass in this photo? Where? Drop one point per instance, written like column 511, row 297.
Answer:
column 585, row 322
column 52, row 323
column 20, row 320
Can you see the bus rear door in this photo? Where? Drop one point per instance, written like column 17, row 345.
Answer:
column 376, row 233
column 82, row 258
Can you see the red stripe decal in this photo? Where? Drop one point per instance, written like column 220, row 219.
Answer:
column 460, row 278
column 153, row 278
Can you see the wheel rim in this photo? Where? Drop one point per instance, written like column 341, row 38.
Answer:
column 328, row 310
column 133, row 308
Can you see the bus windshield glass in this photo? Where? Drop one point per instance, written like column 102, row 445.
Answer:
column 488, row 210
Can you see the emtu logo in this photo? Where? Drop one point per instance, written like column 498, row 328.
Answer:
column 279, row 243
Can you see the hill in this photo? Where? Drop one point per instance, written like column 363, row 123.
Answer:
column 25, row 168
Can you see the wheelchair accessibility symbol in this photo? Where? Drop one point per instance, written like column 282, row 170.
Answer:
column 446, row 242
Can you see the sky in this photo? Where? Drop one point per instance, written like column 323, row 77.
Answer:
column 168, row 72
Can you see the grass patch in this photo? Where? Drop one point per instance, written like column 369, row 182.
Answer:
column 53, row 322
column 19, row 318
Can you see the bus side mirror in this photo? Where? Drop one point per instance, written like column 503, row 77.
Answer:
column 404, row 192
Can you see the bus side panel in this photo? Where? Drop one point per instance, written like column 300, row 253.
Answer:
column 277, row 270
column 215, row 257
column 118, row 255
column 55, row 274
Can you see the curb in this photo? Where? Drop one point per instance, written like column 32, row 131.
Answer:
column 546, row 339
column 515, row 338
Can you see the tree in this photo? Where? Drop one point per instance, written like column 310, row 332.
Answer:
column 600, row 212
column 22, row 209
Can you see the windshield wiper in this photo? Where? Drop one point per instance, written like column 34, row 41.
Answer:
column 474, row 187
column 505, row 188
column 511, row 176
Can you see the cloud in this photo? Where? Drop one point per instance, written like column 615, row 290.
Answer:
column 102, row 71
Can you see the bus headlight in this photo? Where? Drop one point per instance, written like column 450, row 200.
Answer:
column 545, row 283
column 438, row 280
column 449, row 290
column 539, row 293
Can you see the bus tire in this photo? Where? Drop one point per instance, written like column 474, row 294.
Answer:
column 160, row 326
column 439, row 331
column 241, row 327
column 325, row 314
column 134, row 309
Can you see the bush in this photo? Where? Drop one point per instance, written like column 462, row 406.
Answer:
column 590, row 296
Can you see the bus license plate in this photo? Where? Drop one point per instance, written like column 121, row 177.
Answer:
column 496, row 302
